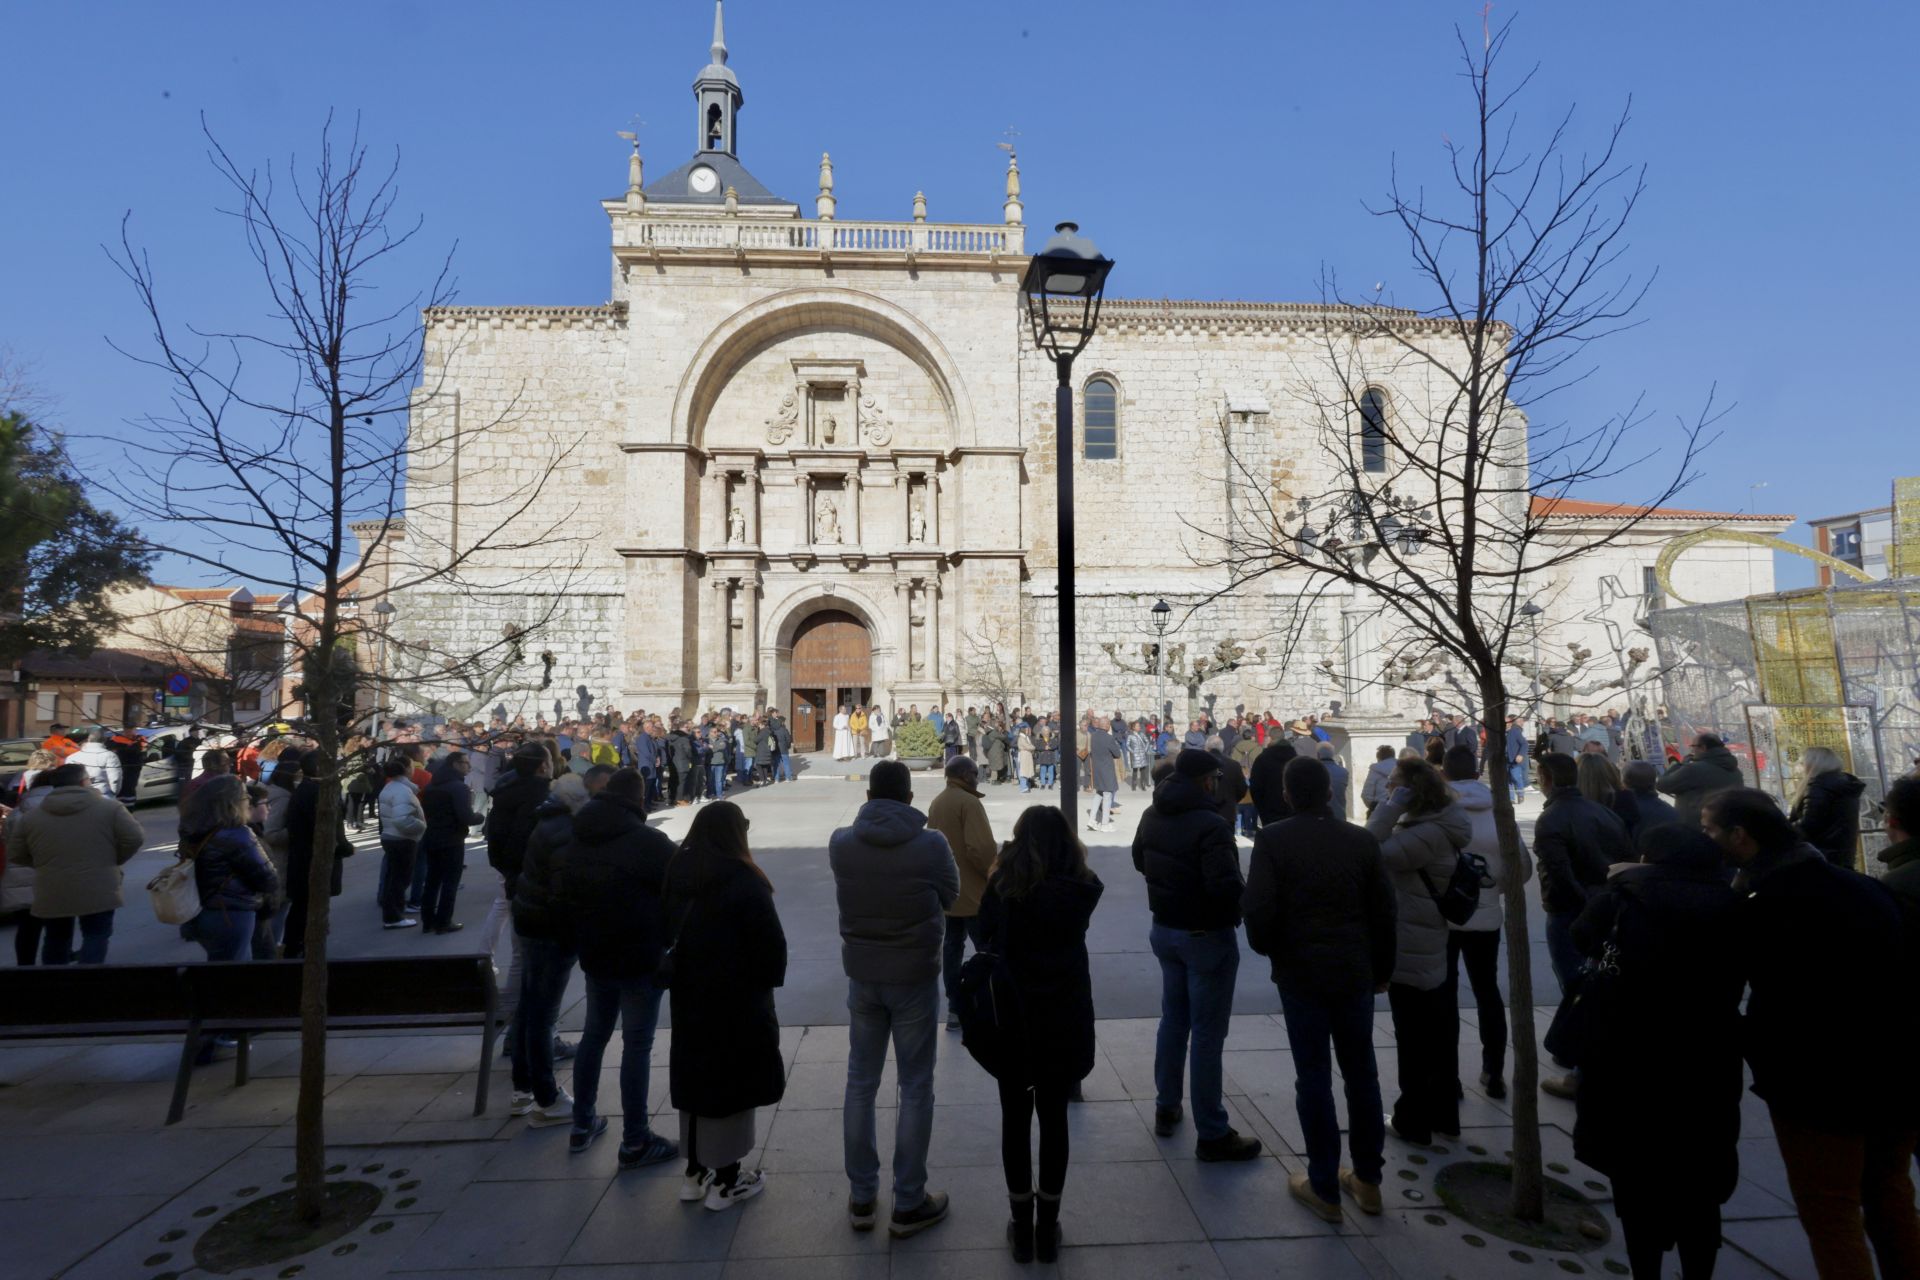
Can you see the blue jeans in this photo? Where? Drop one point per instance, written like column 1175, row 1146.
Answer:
column 1249, row 820
column 1196, row 998
column 908, row 1012
column 543, row 984
column 96, row 930
column 1348, row 1025
column 417, row 886
column 1517, row 775
column 397, row 860
column 783, row 768
column 1561, row 953
column 636, row 1003
column 716, row 780
column 960, row 930
column 226, row 934
column 1026, row 784
column 1046, row 773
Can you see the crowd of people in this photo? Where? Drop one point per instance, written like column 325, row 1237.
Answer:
column 1670, row 897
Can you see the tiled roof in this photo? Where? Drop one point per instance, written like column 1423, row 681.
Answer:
column 1547, row 508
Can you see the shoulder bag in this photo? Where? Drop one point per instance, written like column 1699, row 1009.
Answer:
column 1587, row 1006
column 175, row 894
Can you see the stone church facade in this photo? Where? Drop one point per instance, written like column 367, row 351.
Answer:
column 810, row 460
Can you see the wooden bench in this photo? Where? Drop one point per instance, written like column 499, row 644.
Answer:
column 242, row 998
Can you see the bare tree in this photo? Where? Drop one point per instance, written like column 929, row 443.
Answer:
column 1433, row 441
column 989, row 665
column 258, row 474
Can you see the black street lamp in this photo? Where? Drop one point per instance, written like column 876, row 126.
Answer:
column 1162, row 615
column 1062, row 290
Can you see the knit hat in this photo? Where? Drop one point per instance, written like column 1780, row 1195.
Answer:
column 1195, row 763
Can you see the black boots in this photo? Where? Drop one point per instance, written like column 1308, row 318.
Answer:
column 1020, row 1229
column 1046, row 1229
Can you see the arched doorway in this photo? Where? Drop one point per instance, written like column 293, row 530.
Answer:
column 832, row 666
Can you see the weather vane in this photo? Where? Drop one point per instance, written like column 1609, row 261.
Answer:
column 1008, row 133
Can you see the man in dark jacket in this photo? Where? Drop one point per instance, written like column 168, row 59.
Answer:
column 516, row 801
column 894, row 880
column 1185, row 850
column 1264, row 779
column 1829, row 972
column 1319, row 906
column 1649, row 810
column 303, row 818
column 543, row 947
column 448, row 803
column 782, row 735
column 1902, row 856
column 610, row 891
column 1230, row 790
column 1710, row 768
column 1575, row 842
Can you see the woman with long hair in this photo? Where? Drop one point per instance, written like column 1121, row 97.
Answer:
column 1826, row 807
column 230, row 869
column 1600, row 782
column 1034, row 913
column 1421, row 829
column 726, row 954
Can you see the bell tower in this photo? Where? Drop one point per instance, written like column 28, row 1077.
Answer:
column 717, row 90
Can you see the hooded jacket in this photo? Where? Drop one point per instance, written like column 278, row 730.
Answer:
column 231, row 871
column 536, row 913
column 1430, row 843
column 1185, row 850
column 608, row 889
column 894, row 880
column 1691, row 781
column 76, row 840
column 510, row 821
column 1476, row 801
column 1828, row 815
column 1264, row 779
column 401, row 817
column 448, row 803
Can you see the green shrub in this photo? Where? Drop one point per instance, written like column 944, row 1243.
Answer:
column 916, row 738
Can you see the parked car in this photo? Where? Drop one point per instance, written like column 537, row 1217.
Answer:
column 13, row 762
column 157, row 770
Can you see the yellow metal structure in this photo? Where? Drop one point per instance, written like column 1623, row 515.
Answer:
column 1669, row 554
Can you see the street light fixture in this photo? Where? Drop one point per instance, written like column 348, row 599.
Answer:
column 1061, row 291
column 1162, row 615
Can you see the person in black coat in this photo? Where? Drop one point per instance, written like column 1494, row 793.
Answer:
column 1673, row 1016
column 728, row 955
column 1038, row 901
column 1319, row 906
column 513, row 804
column 448, row 804
column 1185, row 850
column 1826, row 960
column 682, row 765
column 303, row 820
column 608, row 890
column 1266, row 780
column 1828, row 808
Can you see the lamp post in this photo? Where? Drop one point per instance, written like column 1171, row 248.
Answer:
column 385, row 611
column 1061, row 292
column 1531, row 612
column 1162, row 614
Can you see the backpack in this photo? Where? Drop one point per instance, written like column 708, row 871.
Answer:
column 1462, row 895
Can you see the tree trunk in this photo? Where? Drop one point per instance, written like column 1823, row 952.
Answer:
column 309, row 1123
column 1529, row 1185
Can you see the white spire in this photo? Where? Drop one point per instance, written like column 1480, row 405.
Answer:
column 719, row 34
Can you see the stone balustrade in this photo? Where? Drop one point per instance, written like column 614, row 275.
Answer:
column 833, row 237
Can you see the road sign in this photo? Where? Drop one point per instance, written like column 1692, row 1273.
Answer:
column 180, row 703
column 178, row 683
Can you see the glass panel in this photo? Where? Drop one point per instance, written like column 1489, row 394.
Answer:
column 1373, row 432
column 1102, row 431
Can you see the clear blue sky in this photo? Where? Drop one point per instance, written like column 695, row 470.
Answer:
column 1216, row 150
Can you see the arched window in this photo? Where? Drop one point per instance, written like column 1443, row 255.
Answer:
column 1373, row 430
column 1103, row 419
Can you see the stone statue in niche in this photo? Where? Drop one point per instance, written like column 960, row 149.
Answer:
column 826, row 524
column 736, row 526
column 829, row 430
column 873, row 422
column 917, row 520
column 780, row 426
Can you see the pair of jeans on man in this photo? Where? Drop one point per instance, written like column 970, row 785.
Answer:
column 96, row 931
column 635, row 1004
column 908, row 1015
column 445, row 864
column 1319, row 1033
column 1197, row 970
column 1103, row 806
column 397, row 857
column 543, row 983
column 953, row 951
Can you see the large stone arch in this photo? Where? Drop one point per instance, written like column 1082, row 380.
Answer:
column 736, row 339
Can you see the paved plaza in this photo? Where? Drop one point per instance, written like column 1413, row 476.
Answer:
column 92, row 1184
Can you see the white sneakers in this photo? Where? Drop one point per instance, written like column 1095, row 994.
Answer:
column 750, row 1183
column 559, row 1111
column 522, row 1104
column 694, row 1186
